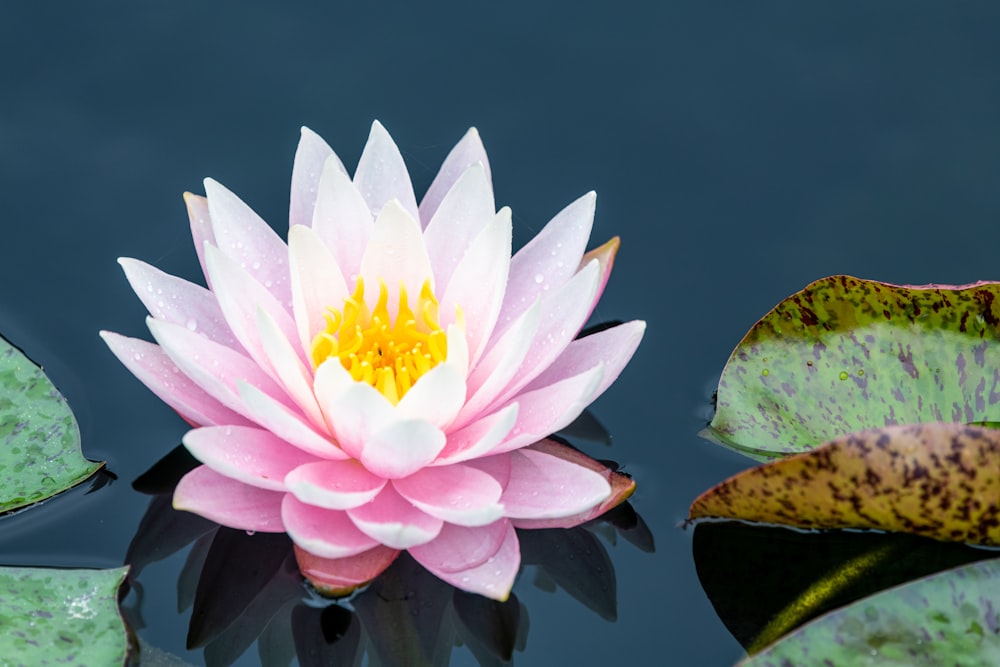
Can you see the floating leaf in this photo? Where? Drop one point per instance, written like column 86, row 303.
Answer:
column 61, row 617
column 936, row 480
column 39, row 440
column 846, row 354
column 950, row 618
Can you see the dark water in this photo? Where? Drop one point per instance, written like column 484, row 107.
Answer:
column 740, row 152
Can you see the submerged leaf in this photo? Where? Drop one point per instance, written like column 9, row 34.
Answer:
column 950, row 618
column 39, row 440
column 60, row 617
column 846, row 354
column 936, row 480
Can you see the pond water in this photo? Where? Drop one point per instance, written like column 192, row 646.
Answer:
column 740, row 152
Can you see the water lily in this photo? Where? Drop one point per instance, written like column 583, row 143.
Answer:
column 384, row 381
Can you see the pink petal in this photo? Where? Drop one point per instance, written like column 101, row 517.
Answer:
column 466, row 153
column 605, row 256
column 335, row 485
column 458, row 548
column 549, row 259
column 343, row 221
column 402, row 448
column 175, row 300
column 317, row 283
column 310, row 156
column 622, row 487
column 395, row 256
column 479, row 437
column 323, row 532
column 466, row 210
column 479, row 282
column 492, row 579
column 153, row 368
column 283, row 358
column 611, row 348
column 245, row 238
column 394, row 521
column 436, row 397
column 201, row 226
column 497, row 467
column 543, row 486
column 381, row 175
column 458, row 494
column 339, row 576
column 248, row 455
column 229, row 502
column 287, row 424
column 215, row 368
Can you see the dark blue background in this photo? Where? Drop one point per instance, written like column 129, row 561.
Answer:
column 739, row 149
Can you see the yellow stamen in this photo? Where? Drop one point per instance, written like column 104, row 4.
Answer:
column 389, row 355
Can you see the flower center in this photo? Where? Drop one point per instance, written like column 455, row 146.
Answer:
column 388, row 355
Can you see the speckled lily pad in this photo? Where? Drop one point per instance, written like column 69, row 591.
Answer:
column 39, row 439
column 950, row 618
column 61, row 617
column 846, row 354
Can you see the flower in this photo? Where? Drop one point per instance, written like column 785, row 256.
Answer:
column 382, row 382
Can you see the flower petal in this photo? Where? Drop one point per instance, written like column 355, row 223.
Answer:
column 317, row 283
column 479, row 437
column 153, row 368
column 290, row 371
column 343, row 221
column 395, row 256
column 458, row 548
column 466, row 210
column 543, row 486
column 339, row 576
column 354, row 410
column 457, row 494
column 394, row 521
column 287, row 424
column 310, row 156
column 244, row 237
column 402, row 448
column 492, row 579
column 466, row 153
column 435, row 397
column 605, row 256
column 322, row 532
column 249, row 455
column 381, row 175
column 229, row 502
column 201, row 227
column 335, row 485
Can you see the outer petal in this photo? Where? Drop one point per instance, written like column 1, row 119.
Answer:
column 402, row 448
column 154, row 369
column 201, row 226
column 173, row 299
column 457, row 494
column 605, row 256
column 249, row 241
column 317, row 283
column 342, row 220
column 310, row 157
column 325, row 533
column 340, row 576
column 228, row 502
column 381, row 175
column 394, row 521
column 549, row 259
column 248, row 455
column 543, row 486
column 335, row 485
column 466, row 210
column 479, row 437
column 494, row 578
column 395, row 255
column 287, row 424
column 466, row 153
column 459, row 548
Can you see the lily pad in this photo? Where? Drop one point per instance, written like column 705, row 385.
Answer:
column 61, row 617
column 39, row 439
column 936, row 480
column 846, row 354
column 950, row 618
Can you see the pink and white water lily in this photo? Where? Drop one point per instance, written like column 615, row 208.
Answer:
column 385, row 381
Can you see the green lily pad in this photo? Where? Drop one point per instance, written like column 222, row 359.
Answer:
column 950, row 618
column 846, row 354
column 40, row 452
column 61, row 617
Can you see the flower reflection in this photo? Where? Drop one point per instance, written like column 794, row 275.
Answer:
column 381, row 382
column 243, row 589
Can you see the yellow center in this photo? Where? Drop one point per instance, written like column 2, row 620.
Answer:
column 388, row 355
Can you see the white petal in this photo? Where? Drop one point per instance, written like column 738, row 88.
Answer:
column 310, row 157
column 201, row 227
column 396, row 256
column 291, row 372
column 402, row 448
column 436, row 397
column 287, row 424
column 342, row 220
column 466, row 210
column 354, row 410
column 381, row 175
column 466, row 153
column 479, row 437
column 317, row 283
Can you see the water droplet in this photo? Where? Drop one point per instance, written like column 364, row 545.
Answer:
column 843, row 375
column 809, row 363
column 255, row 265
column 268, row 283
column 137, row 356
column 539, row 278
column 765, row 372
column 191, row 324
column 861, row 372
column 251, row 532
